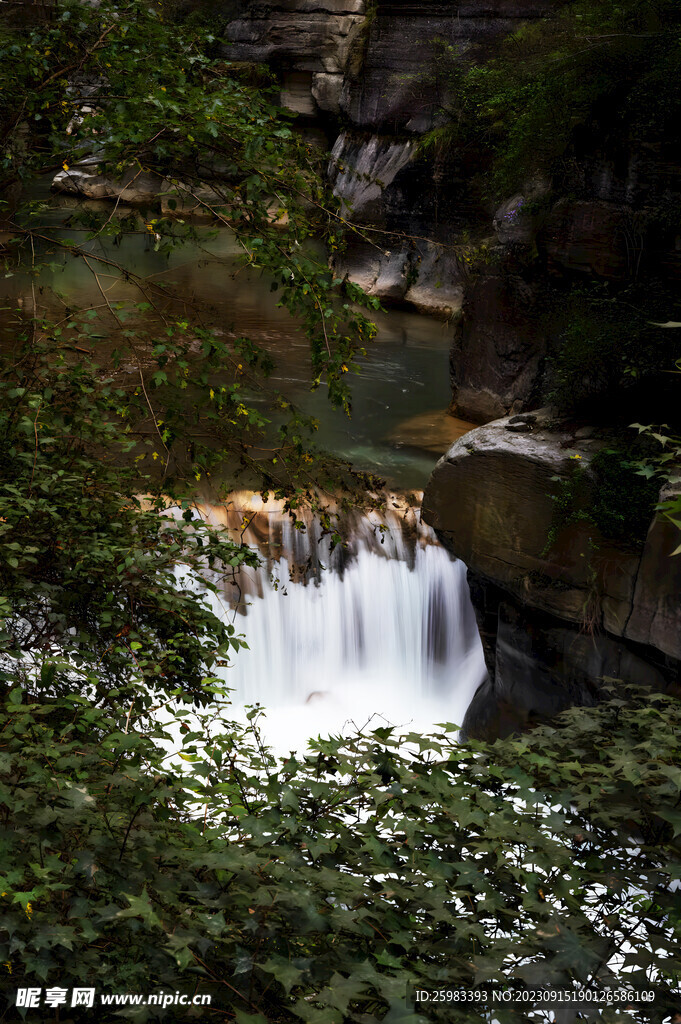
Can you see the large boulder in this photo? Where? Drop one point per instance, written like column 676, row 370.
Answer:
column 555, row 619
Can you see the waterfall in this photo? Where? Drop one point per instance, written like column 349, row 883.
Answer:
column 379, row 630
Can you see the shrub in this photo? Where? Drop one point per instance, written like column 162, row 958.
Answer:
column 326, row 888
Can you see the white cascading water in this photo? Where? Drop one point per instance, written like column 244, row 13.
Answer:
column 378, row 632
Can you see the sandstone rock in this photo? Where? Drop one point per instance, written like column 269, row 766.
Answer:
column 263, row 8
column 296, row 93
column 133, row 187
column 498, row 352
column 383, row 274
column 361, row 265
column 656, row 609
column 308, row 40
column 392, row 279
column 174, row 197
column 428, row 281
column 553, row 622
column 540, row 667
column 501, row 529
column 326, row 90
column 438, row 288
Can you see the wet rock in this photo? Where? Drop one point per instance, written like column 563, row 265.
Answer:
column 84, row 180
column 541, row 667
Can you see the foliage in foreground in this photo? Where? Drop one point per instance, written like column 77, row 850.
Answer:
column 318, row 890
column 123, row 91
column 315, row 890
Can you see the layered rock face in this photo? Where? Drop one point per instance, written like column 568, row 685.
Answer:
column 601, row 233
column 555, row 619
column 368, row 72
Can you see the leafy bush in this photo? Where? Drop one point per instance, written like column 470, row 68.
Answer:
column 321, row 889
column 624, row 502
column 608, row 344
column 611, row 496
column 596, row 73
column 663, row 468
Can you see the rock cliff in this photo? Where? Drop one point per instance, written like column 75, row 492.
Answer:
column 555, row 618
column 368, row 72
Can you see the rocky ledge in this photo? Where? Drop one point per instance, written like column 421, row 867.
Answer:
column 556, row 619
